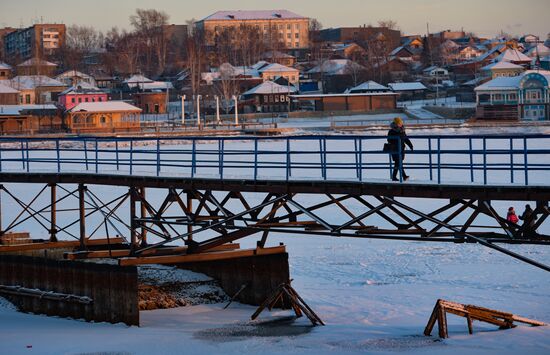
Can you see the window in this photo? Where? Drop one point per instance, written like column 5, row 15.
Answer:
column 512, row 97
column 86, row 99
column 79, row 99
column 497, row 97
column 72, row 100
column 28, row 99
column 280, row 27
column 297, row 44
column 93, row 99
column 289, row 26
column 100, row 99
column 102, row 119
column 533, row 95
column 289, row 35
column 297, row 26
column 296, row 35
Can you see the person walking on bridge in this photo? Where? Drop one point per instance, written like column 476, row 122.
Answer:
column 397, row 139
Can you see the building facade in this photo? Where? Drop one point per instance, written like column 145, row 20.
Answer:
column 37, row 40
column 521, row 97
column 274, row 26
column 78, row 94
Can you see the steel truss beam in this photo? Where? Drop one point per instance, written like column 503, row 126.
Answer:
column 208, row 219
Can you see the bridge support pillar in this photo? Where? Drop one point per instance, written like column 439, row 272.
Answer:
column 143, row 215
column 82, row 215
column 53, row 212
column 133, row 223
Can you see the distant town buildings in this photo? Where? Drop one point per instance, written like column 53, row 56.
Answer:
column 37, row 40
column 273, row 26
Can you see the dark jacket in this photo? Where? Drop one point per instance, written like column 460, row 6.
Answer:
column 529, row 218
column 394, row 134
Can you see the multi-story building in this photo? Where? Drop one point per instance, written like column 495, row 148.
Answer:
column 37, row 40
column 362, row 35
column 274, row 26
column 4, row 31
column 526, row 96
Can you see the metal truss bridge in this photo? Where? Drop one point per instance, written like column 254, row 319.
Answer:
column 145, row 194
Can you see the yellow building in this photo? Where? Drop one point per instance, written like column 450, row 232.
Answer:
column 275, row 26
column 106, row 116
column 274, row 71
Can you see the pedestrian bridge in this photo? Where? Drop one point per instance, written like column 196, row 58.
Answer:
column 211, row 191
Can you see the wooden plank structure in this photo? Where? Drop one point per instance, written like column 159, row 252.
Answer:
column 120, row 253
column 287, row 295
column 205, row 256
column 470, row 312
column 59, row 244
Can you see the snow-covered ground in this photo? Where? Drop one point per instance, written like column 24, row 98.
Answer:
column 375, row 296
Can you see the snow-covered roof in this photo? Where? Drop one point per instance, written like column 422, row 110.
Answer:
column 5, row 89
column 275, row 67
column 368, row 86
column 335, row 67
column 502, row 65
column 259, row 65
column 31, row 82
column 4, row 66
column 104, row 106
column 539, row 50
column 269, row 87
column 82, row 88
column 242, row 15
column 432, row 67
column 407, row 86
column 36, row 61
column 277, row 55
column 15, row 110
column 145, row 83
column 513, row 55
column 73, row 74
column 501, row 83
column 137, row 78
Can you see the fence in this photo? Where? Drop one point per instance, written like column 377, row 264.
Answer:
column 90, row 291
column 489, row 159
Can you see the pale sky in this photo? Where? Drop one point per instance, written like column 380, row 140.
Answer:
column 484, row 17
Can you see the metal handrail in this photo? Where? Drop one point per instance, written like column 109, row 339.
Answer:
column 485, row 160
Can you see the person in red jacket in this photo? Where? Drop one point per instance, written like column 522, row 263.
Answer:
column 511, row 216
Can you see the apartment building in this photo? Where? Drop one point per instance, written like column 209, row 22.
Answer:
column 37, row 40
column 274, row 26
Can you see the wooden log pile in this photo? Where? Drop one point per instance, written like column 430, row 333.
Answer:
column 501, row 319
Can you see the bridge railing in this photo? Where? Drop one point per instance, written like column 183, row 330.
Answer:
column 487, row 159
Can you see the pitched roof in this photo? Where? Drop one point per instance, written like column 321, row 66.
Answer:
column 335, row 67
column 36, row 61
column 276, row 55
column 501, row 83
column 513, row 55
column 368, row 86
column 5, row 89
column 104, row 106
column 252, row 15
column 137, row 78
column 502, row 65
column 30, row 82
column 269, row 87
column 5, row 66
column 540, row 49
column 407, row 86
column 72, row 74
column 82, row 88
column 275, row 67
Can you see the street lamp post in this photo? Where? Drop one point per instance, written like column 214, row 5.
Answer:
column 183, row 110
column 236, row 109
column 217, row 109
column 198, row 111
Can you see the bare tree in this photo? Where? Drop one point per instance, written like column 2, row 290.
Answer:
column 148, row 24
column 389, row 24
column 195, row 60
column 228, row 86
